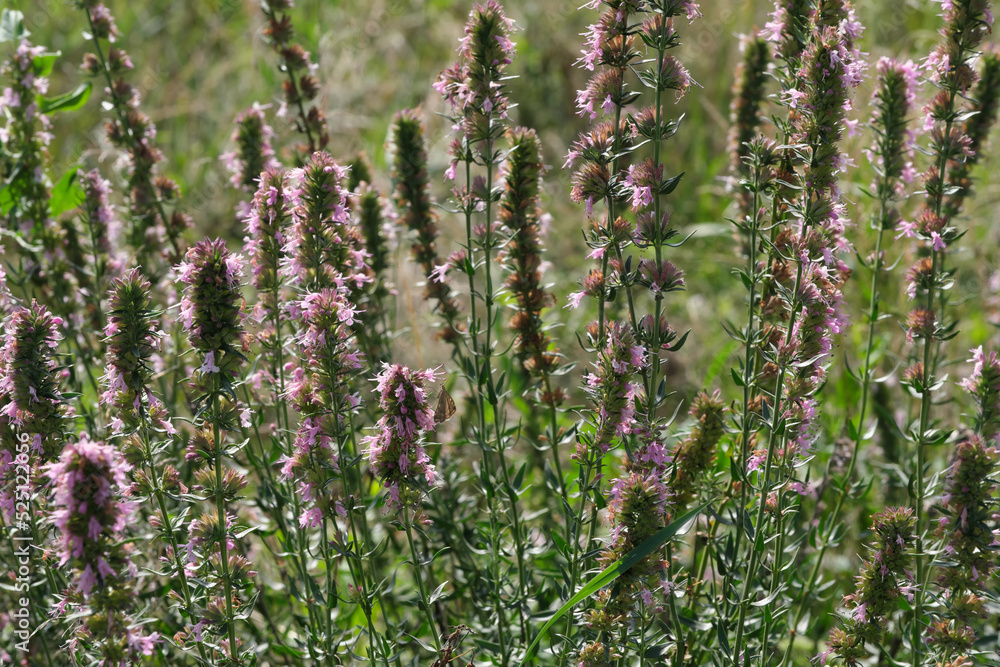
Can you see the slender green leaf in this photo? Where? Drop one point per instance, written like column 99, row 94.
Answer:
column 70, row 101
column 609, row 575
column 67, row 193
column 44, row 63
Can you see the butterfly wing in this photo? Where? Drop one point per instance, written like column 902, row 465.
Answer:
column 445, row 407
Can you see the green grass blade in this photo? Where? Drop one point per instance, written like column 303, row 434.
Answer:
column 604, row 578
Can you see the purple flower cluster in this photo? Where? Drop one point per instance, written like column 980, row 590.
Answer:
column 90, row 517
column 949, row 68
column 984, row 385
column 211, row 308
column 323, row 248
column 789, row 28
column 30, row 397
column 639, row 504
column 473, row 87
column 132, row 339
column 395, row 452
column 253, row 153
column 26, row 134
column 30, row 400
column 267, row 226
column 805, row 255
column 613, row 389
column 947, row 119
column 320, row 392
column 89, row 513
column 642, row 500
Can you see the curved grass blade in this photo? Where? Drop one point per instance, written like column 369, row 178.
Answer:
column 604, row 578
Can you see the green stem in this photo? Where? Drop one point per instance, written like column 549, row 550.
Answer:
column 866, row 381
column 220, row 506
column 303, row 117
column 169, row 530
column 772, row 443
column 418, row 576
column 749, row 366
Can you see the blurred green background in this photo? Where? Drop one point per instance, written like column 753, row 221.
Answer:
column 200, row 63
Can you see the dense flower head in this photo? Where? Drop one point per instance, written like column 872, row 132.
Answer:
column 596, row 654
column 604, row 91
column 696, row 451
column 639, row 504
column 877, row 586
column 103, row 23
column 591, row 183
column 30, row 396
column 211, row 308
column 970, row 510
column 749, row 91
column 966, row 23
column 830, row 69
column 320, row 392
column 983, row 383
column 99, row 217
column 267, row 225
column 806, row 273
column 892, row 104
column 90, row 518
column 612, row 386
column 396, row 451
column 950, row 637
column 328, row 354
column 325, row 333
column 920, row 324
column 607, row 43
column 88, row 480
column 416, row 213
column 975, row 129
column 487, row 49
column 26, row 132
column 132, row 339
column 807, row 352
column 789, row 28
column 324, row 248
column 475, row 89
column 253, row 153
column 521, row 216
column 596, row 144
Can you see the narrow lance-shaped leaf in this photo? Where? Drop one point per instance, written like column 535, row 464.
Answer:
column 612, row 573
